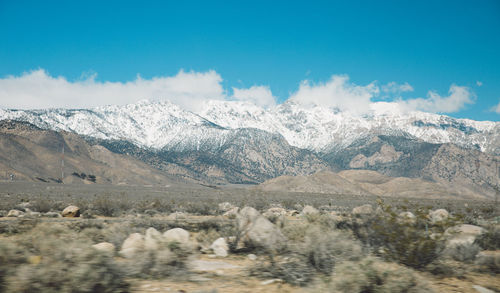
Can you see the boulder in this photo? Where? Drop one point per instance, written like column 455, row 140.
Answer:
column 256, row 230
column 220, row 247
column 15, row 213
column 176, row 235
column 462, row 234
column 152, row 239
column 365, row 209
column 225, row 206
column 71, row 212
column 438, row 216
column 232, row 213
column 52, row 215
column 274, row 213
column 292, row 213
column 407, row 217
column 105, row 247
column 309, row 210
column 177, row 216
column 132, row 245
column 34, row 214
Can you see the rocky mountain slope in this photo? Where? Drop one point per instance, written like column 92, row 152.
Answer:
column 165, row 126
column 33, row 154
column 238, row 142
column 365, row 182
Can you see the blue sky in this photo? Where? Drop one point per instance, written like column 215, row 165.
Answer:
column 431, row 45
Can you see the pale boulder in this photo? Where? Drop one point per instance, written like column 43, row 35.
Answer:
column 152, row 239
column 105, row 247
column 225, row 206
column 365, row 209
column 232, row 213
column 220, row 247
column 132, row 245
column 71, row 212
column 407, row 217
column 256, row 230
column 176, row 235
column 438, row 216
column 309, row 210
column 15, row 213
column 462, row 234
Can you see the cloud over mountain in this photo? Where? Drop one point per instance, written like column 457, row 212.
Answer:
column 38, row 89
column 458, row 98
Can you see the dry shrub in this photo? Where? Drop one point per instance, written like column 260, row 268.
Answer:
column 373, row 275
column 311, row 249
column 447, row 267
column 464, row 252
column 490, row 240
column 167, row 260
column 489, row 262
column 292, row 268
column 58, row 260
column 10, row 257
column 413, row 244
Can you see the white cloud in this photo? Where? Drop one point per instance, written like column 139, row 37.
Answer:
column 496, row 108
column 395, row 88
column 458, row 98
column 259, row 95
column 37, row 89
column 479, row 83
column 338, row 92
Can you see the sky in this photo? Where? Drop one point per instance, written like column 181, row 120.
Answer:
column 433, row 56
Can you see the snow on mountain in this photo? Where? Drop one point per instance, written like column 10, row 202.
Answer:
column 163, row 125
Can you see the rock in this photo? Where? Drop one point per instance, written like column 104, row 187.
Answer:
column 34, row 214
column 365, row 209
column 132, row 245
column 482, row 289
column 490, row 260
column 203, row 266
column 271, row 281
column 177, row 216
column 438, row 216
column 152, row 239
column 274, row 213
column 15, row 213
column 256, row 230
column 309, row 210
column 176, row 235
column 252, row 257
column 71, row 212
column 220, row 247
column 232, row 213
column 225, row 206
column 246, row 216
column 23, row 207
column 336, row 217
column 462, row 234
column 52, row 215
column 292, row 213
column 105, row 247
column 407, row 217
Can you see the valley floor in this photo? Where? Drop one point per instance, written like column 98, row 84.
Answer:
column 113, row 213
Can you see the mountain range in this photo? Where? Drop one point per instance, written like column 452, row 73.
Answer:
column 239, row 142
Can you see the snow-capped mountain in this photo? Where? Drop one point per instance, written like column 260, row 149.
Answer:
column 165, row 126
column 238, row 142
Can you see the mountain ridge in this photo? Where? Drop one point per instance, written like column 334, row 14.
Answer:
column 164, row 125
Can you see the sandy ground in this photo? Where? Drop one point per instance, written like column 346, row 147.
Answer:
column 225, row 275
